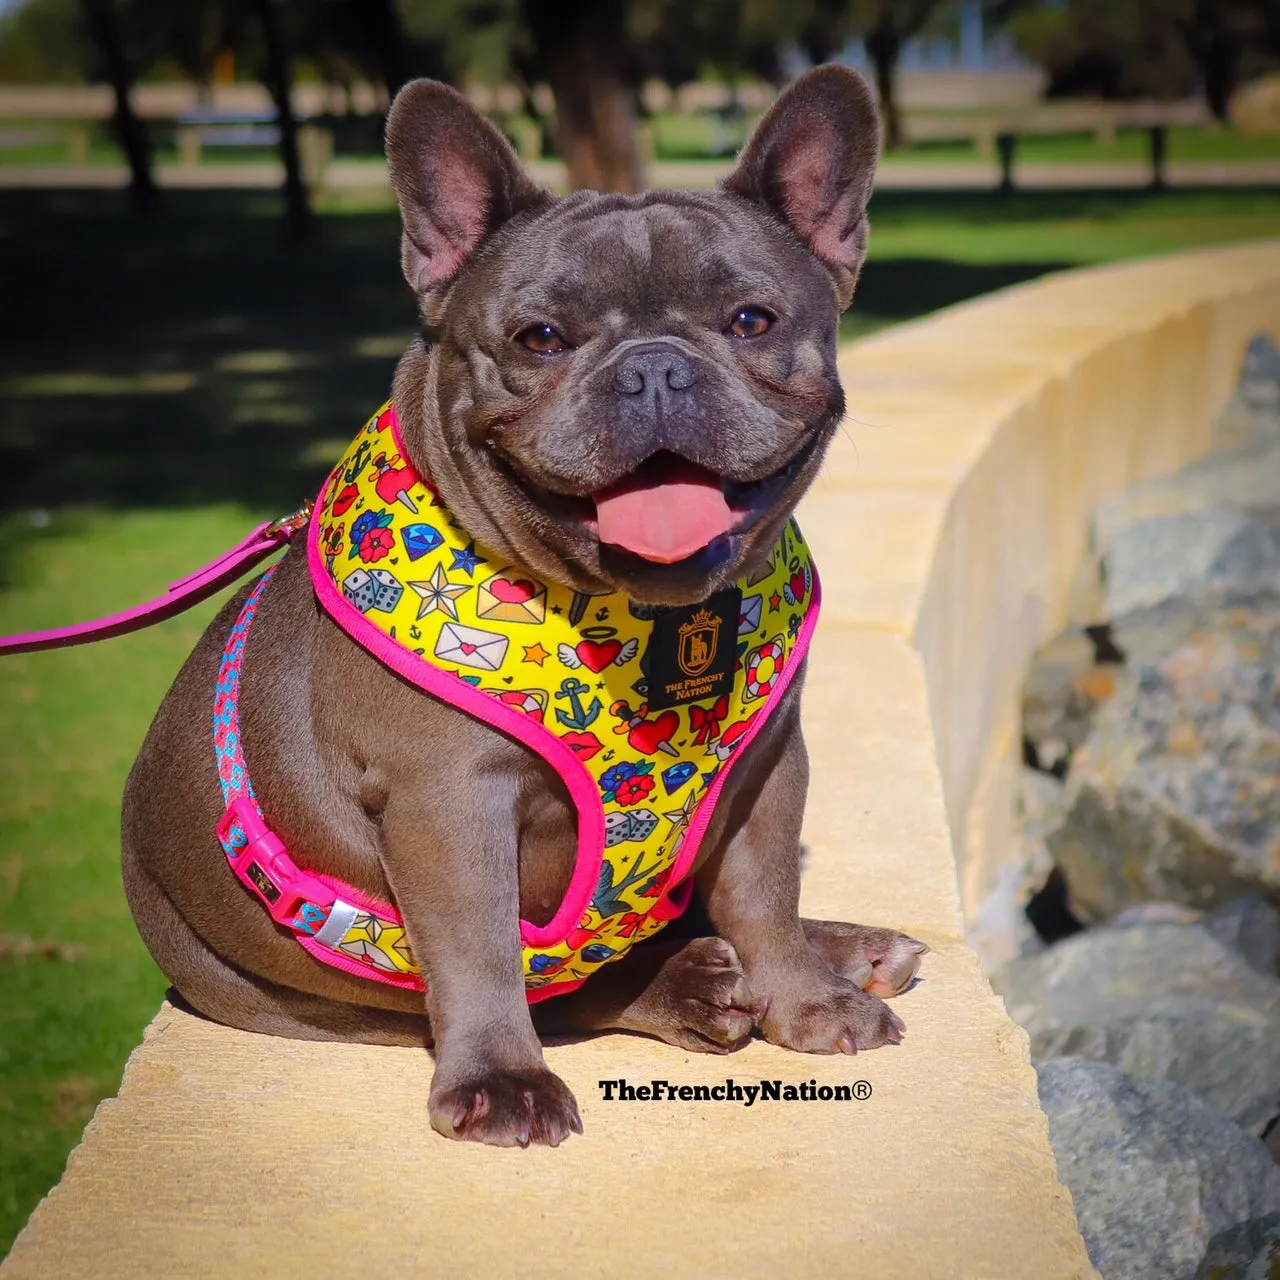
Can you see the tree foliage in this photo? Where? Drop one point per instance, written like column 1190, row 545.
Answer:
column 1151, row 48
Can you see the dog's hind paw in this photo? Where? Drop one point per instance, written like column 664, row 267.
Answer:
column 882, row 962
column 506, row 1109
column 698, row 1000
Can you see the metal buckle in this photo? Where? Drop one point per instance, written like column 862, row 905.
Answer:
column 291, row 523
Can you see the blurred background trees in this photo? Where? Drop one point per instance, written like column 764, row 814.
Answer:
column 579, row 66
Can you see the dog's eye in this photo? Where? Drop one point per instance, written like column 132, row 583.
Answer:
column 543, row 339
column 749, row 322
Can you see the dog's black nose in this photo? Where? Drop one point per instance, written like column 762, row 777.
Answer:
column 653, row 370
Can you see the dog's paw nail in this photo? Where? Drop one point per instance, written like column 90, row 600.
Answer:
column 847, row 1044
column 575, row 1122
column 860, row 975
column 898, row 1025
column 920, row 948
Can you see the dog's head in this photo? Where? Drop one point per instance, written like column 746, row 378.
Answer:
column 630, row 393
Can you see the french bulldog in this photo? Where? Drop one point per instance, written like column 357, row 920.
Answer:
column 621, row 394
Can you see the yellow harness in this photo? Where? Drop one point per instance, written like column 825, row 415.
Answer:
column 641, row 713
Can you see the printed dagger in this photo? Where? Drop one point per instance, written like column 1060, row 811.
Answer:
column 632, row 719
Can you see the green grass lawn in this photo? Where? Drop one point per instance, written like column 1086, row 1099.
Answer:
column 165, row 383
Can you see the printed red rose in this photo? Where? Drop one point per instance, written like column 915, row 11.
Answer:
column 375, row 544
column 633, row 790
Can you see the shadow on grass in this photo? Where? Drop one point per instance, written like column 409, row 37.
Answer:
column 193, row 358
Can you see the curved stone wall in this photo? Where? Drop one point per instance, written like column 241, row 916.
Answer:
column 979, row 441
column 949, row 524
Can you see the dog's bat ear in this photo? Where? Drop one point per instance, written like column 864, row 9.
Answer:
column 811, row 161
column 456, row 180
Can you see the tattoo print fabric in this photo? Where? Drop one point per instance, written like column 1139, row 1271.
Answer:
column 564, row 667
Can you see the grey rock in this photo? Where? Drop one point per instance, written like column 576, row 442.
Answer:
column 1155, row 1173
column 1160, row 1001
column 1174, row 796
column 1042, row 803
column 1148, row 636
column 1243, row 479
column 1156, row 913
column 1260, row 374
column 1251, row 925
column 1250, row 1251
column 1060, row 695
column 1175, row 555
column 998, row 930
column 1108, row 971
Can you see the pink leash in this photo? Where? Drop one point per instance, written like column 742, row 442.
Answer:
column 181, row 595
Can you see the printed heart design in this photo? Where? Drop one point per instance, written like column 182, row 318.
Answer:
column 511, row 591
column 342, row 503
column 649, row 735
column 597, row 656
column 583, row 745
column 797, row 587
column 466, row 648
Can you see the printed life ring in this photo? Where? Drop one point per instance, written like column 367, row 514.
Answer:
column 763, row 667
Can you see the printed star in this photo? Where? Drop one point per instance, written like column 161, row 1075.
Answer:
column 774, row 601
column 555, row 608
column 439, row 593
column 535, row 653
column 680, row 818
column 466, row 559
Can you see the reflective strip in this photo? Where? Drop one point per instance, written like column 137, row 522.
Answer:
column 342, row 915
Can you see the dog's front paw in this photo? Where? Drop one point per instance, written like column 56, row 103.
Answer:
column 835, row 1016
column 699, row 999
column 505, row 1108
column 881, row 961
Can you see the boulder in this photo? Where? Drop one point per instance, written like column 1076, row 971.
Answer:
column 1160, row 1001
column 1178, row 555
column 1155, row 1173
column 1174, row 796
column 1239, row 479
column 1251, row 925
column 1062, row 690
column 1250, row 1251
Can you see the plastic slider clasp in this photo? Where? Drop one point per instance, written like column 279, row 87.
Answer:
column 264, row 867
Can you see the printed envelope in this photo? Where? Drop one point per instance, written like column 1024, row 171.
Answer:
column 509, row 597
column 471, row 647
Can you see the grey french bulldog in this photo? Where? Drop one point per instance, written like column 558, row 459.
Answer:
column 621, row 395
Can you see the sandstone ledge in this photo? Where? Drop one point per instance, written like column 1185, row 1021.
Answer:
column 948, row 538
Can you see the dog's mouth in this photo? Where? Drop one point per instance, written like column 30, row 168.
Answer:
column 669, row 509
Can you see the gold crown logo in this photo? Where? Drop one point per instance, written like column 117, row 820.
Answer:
column 703, row 618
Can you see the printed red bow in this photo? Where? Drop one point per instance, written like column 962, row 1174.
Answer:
column 705, row 722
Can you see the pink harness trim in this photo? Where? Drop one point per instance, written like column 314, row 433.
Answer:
column 301, row 901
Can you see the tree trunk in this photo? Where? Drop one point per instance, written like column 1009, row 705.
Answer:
column 1218, row 65
column 884, row 45
column 582, row 51
column 131, row 133
column 299, row 222
column 387, row 43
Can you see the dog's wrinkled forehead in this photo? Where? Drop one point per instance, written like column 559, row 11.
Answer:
column 654, row 263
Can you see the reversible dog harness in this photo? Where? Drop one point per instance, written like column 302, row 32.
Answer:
column 641, row 712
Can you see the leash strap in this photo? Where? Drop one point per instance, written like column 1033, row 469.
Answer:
column 180, row 596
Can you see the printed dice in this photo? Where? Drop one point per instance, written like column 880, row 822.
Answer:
column 372, row 589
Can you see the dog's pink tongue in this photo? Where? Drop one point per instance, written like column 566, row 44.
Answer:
column 664, row 520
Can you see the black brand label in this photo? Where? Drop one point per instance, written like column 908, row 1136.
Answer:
column 692, row 651
column 266, row 886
